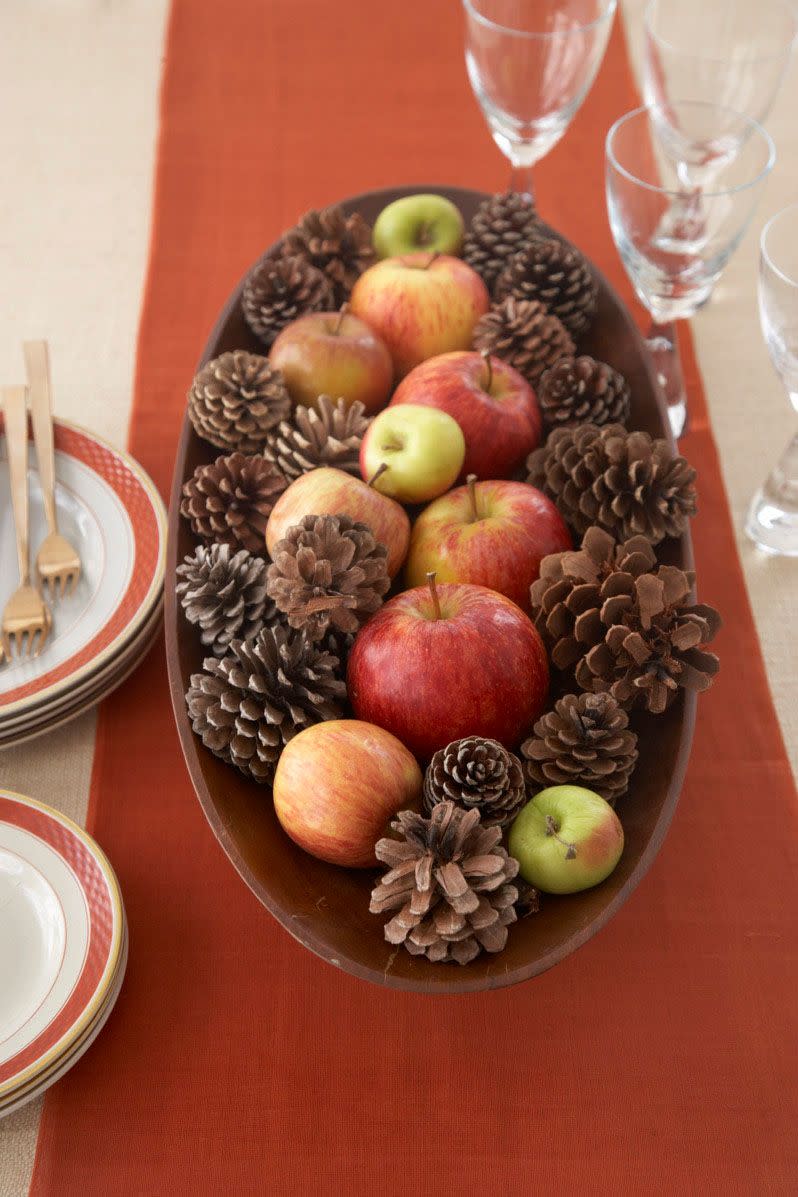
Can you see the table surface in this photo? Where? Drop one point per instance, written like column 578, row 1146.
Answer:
column 82, row 80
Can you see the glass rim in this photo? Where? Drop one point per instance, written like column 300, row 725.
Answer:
column 751, row 60
column 763, row 249
column 755, row 127
column 483, row 20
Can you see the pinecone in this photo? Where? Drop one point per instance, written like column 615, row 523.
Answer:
column 502, row 225
column 266, row 690
column 328, row 573
column 585, row 740
column 329, row 436
column 337, row 244
column 476, row 773
column 623, row 623
column 236, row 399
column 558, row 277
column 525, row 335
column 225, row 594
column 280, row 290
column 449, row 878
column 229, row 501
column 580, row 390
column 622, row 481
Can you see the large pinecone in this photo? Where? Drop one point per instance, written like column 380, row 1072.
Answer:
column 585, row 740
column 449, row 878
column 558, row 277
column 236, row 399
column 622, row 481
column 524, row 334
column 623, row 624
column 480, row 773
column 581, row 390
column 280, row 290
column 229, row 501
column 503, row 225
column 338, row 245
column 328, row 573
column 224, row 593
column 266, row 690
column 329, row 436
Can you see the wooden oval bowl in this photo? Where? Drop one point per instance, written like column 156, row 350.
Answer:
column 326, row 907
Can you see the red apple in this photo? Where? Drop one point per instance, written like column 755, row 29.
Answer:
column 333, row 353
column 494, row 534
column 337, row 786
column 332, row 492
column 436, row 664
column 420, row 304
column 495, row 407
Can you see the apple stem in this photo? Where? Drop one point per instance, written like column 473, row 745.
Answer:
column 380, row 470
column 436, row 602
column 344, row 310
column 486, row 359
column 433, row 256
column 471, row 483
column 552, row 827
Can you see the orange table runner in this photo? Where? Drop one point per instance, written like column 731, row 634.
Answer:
column 661, row 1057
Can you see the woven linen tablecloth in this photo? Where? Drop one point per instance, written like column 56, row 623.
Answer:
column 656, row 1059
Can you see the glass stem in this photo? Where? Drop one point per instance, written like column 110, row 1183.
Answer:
column 773, row 516
column 521, row 181
column 661, row 344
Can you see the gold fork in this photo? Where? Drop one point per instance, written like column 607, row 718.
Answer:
column 26, row 619
column 57, row 562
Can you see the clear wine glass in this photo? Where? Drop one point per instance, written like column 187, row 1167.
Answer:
column 773, row 516
column 530, row 64
column 674, row 275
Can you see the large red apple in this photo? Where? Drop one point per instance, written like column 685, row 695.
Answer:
column 495, row 407
column 326, row 491
column 494, row 534
column 437, row 664
column 333, row 353
column 420, row 304
column 337, row 786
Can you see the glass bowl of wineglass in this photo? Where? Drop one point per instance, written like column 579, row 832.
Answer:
column 530, row 64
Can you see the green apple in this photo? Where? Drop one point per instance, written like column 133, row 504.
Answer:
column 412, row 453
column 566, row 839
column 418, row 222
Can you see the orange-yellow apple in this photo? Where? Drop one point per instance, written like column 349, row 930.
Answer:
column 337, row 786
column 436, row 664
column 332, row 492
column 412, row 453
column 420, row 304
column 566, row 839
column 336, row 354
column 494, row 534
column 495, row 407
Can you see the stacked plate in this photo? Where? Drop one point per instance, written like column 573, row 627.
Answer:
column 110, row 510
column 63, row 946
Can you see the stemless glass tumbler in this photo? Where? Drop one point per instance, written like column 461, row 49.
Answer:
column 531, row 63
column 674, row 275
column 773, row 516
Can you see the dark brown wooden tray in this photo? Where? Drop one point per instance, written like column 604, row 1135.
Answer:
column 325, row 907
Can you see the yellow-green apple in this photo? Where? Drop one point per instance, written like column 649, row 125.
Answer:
column 494, row 534
column 337, row 786
column 333, row 353
column 327, row 491
column 495, row 407
column 566, row 839
column 420, row 305
column 424, row 221
column 412, row 453
column 436, row 664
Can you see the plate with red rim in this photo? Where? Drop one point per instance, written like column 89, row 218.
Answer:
column 61, row 936
column 109, row 508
